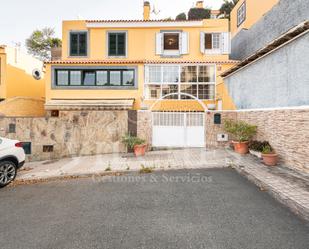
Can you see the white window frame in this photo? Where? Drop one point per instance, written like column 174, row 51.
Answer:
column 214, row 50
column 171, row 52
column 241, row 14
column 179, row 83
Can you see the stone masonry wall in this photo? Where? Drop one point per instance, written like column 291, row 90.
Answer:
column 73, row 133
column 287, row 130
column 144, row 126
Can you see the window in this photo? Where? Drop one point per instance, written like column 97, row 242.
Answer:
column 241, row 14
column 102, row 78
column 189, row 74
column 117, row 44
column 48, row 148
column 115, row 78
column 12, row 128
column 206, row 74
column 170, row 74
column 89, row 78
column 94, row 77
column 212, row 41
column 196, row 80
column 76, row 78
column 62, row 77
column 171, row 41
column 78, row 44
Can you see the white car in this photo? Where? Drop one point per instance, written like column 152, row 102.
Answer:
column 12, row 158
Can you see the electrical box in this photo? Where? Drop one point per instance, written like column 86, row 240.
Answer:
column 222, row 137
column 217, row 118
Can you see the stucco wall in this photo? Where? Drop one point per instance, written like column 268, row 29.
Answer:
column 73, row 133
column 282, row 17
column 280, row 79
column 22, row 107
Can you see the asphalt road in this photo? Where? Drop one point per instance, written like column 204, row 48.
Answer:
column 175, row 209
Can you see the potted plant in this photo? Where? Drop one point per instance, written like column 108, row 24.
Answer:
column 242, row 132
column 137, row 144
column 270, row 158
column 256, row 148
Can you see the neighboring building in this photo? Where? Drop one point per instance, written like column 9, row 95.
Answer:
column 248, row 12
column 274, row 68
column 22, row 87
column 131, row 64
column 215, row 14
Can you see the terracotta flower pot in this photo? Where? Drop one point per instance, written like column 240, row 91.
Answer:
column 270, row 159
column 140, row 150
column 241, row 147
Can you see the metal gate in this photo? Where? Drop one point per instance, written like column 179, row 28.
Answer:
column 178, row 129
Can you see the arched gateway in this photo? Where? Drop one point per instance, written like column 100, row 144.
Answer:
column 178, row 128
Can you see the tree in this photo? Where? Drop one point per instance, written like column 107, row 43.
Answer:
column 181, row 17
column 40, row 43
column 227, row 7
column 198, row 13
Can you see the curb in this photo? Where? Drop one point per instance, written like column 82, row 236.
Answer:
column 297, row 208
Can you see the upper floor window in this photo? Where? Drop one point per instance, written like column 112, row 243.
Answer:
column 212, row 40
column 241, row 14
column 215, row 43
column 172, row 43
column 102, row 77
column 78, row 44
column 117, row 43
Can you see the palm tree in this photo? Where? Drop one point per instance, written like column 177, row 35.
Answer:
column 227, row 7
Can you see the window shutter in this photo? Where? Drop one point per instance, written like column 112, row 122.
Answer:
column 184, row 43
column 146, row 74
column 226, row 43
column 159, row 43
column 202, row 42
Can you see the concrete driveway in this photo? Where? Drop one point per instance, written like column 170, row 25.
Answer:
column 207, row 208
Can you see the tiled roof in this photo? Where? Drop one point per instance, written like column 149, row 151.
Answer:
column 81, row 62
column 140, row 20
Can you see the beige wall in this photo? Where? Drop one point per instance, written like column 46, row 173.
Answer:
column 141, row 41
column 255, row 9
column 22, row 107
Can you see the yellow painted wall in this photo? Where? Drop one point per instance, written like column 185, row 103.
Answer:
column 18, row 87
column 255, row 9
column 95, row 93
column 141, row 46
column 2, row 73
column 20, row 83
column 22, row 107
column 141, row 41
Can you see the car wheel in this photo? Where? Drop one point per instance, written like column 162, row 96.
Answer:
column 8, row 172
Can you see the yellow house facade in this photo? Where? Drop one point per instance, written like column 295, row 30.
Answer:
column 248, row 12
column 22, row 85
column 141, row 64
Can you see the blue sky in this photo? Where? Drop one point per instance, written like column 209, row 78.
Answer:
column 20, row 17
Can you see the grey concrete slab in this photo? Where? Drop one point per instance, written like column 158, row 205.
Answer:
column 206, row 208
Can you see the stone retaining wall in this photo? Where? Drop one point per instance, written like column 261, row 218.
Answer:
column 79, row 133
column 287, row 131
column 73, row 133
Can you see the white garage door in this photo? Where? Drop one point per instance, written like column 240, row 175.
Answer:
column 178, row 129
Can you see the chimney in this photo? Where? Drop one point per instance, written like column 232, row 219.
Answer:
column 200, row 4
column 146, row 10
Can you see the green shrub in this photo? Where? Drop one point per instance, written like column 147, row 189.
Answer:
column 267, row 150
column 198, row 14
column 130, row 141
column 181, row 17
column 258, row 145
column 241, row 130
